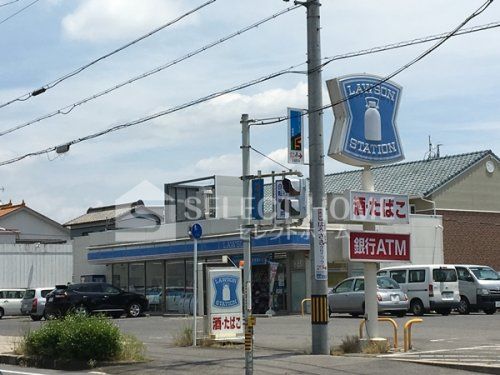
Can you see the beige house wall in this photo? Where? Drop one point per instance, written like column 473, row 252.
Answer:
column 476, row 190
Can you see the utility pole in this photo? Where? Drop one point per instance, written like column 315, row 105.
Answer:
column 319, row 283
column 246, row 237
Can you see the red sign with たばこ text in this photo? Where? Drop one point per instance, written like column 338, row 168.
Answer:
column 379, row 247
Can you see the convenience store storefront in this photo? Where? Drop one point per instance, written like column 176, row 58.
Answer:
column 163, row 271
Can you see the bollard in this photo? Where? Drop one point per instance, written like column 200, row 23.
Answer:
column 382, row 319
column 407, row 332
column 302, row 304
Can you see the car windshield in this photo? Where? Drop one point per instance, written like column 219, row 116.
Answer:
column 485, row 273
column 387, row 283
column 30, row 293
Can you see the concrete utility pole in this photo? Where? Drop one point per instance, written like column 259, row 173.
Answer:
column 246, row 237
column 370, row 269
column 319, row 288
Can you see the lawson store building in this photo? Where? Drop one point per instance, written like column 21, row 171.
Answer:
column 147, row 251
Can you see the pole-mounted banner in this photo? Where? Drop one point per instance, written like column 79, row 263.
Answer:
column 295, row 136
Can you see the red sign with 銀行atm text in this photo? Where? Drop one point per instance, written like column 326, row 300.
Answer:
column 379, row 247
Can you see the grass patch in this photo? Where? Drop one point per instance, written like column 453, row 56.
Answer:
column 374, row 347
column 81, row 338
column 350, row 344
column 184, row 337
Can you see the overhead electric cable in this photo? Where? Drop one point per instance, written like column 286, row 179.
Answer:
column 67, row 109
column 446, row 37
column 18, row 11
column 55, row 82
column 8, row 3
column 65, row 146
column 267, row 157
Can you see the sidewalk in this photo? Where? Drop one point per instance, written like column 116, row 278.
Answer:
column 7, row 343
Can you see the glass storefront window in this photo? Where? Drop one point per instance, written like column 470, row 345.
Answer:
column 120, row 275
column 175, row 286
column 136, row 278
column 154, row 284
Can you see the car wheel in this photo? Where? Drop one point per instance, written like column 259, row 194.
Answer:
column 417, row 307
column 80, row 310
column 464, row 306
column 490, row 311
column 49, row 316
column 134, row 310
column 444, row 312
column 36, row 318
column 1, row 313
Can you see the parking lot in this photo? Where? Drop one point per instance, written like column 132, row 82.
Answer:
column 472, row 339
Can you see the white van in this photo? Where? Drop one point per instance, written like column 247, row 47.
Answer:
column 431, row 287
column 10, row 301
column 479, row 288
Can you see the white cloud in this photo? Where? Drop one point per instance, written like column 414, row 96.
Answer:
column 99, row 20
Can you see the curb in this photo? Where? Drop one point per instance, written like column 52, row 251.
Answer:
column 20, row 360
column 484, row 369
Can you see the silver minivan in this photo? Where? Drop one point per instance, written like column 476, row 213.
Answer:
column 430, row 287
column 479, row 288
column 33, row 302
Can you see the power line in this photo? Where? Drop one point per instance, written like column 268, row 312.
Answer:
column 67, row 109
column 267, row 157
column 446, row 37
column 55, row 82
column 65, row 146
column 8, row 3
column 17, row 12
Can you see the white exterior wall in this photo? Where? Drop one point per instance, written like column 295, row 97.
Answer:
column 81, row 266
column 32, row 226
column 35, row 265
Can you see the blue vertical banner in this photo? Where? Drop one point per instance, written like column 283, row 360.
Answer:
column 258, row 199
column 295, row 136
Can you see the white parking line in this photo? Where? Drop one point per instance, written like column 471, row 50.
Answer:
column 2, row 371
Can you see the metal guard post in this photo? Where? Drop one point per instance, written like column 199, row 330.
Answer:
column 382, row 319
column 302, row 304
column 407, row 333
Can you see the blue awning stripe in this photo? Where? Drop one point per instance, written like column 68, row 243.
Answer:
column 234, row 243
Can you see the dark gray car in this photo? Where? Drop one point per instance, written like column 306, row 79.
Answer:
column 349, row 297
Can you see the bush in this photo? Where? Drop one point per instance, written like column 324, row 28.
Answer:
column 86, row 338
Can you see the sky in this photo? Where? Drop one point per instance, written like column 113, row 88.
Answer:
column 451, row 95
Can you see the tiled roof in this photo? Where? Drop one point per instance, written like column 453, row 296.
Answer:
column 107, row 213
column 416, row 178
column 6, row 209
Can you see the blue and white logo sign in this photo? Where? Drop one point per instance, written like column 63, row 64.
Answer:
column 226, row 294
column 365, row 131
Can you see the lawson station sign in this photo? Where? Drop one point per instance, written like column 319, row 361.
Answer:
column 365, row 131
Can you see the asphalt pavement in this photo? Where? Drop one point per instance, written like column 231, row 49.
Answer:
column 282, row 345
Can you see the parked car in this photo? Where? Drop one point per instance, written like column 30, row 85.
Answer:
column 349, row 297
column 10, row 301
column 479, row 289
column 33, row 302
column 87, row 298
column 429, row 287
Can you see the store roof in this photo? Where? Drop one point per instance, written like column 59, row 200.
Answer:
column 417, row 178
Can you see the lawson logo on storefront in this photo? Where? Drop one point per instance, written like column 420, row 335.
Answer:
column 226, row 294
column 365, row 131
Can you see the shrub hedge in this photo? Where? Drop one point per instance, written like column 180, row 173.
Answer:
column 86, row 338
